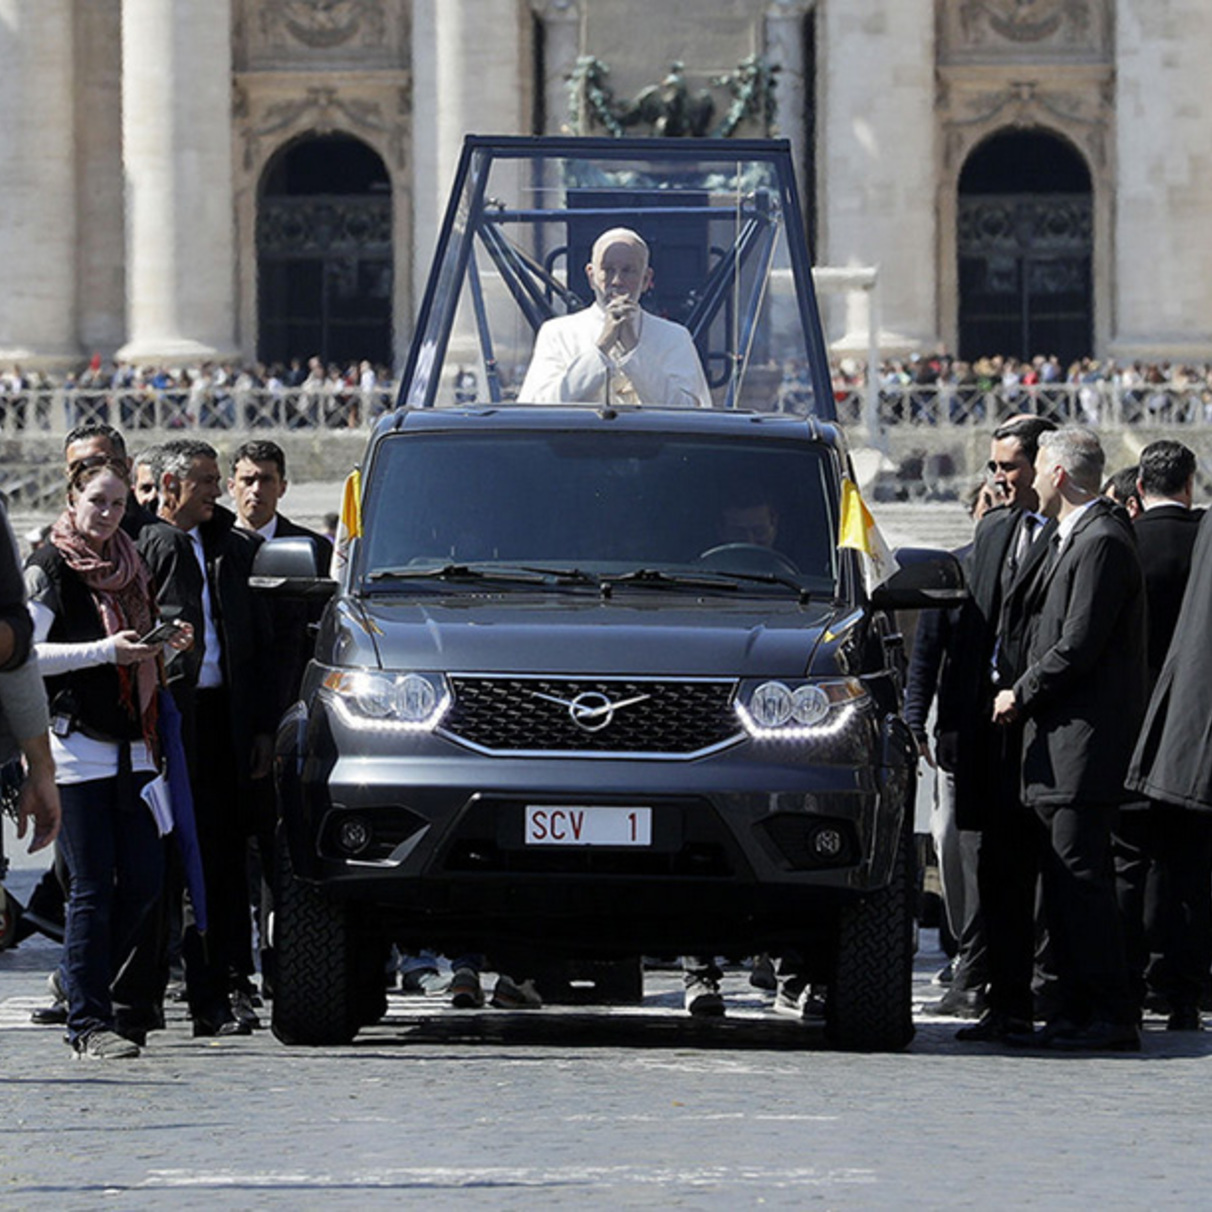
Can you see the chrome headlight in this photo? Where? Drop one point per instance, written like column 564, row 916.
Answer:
column 393, row 702
column 798, row 710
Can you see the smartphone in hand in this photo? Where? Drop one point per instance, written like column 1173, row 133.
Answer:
column 162, row 632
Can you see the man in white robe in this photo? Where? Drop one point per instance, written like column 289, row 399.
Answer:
column 614, row 352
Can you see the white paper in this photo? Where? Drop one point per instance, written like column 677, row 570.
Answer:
column 156, row 796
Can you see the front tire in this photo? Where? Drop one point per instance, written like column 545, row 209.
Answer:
column 869, row 1007
column 315, row 991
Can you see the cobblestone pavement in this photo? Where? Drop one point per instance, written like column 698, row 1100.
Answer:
column 633, row 1106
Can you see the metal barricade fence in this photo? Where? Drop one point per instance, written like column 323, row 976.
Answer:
column 160, row 413
column 1099, row 403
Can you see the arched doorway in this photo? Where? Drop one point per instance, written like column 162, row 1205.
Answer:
column 1025, row 249
column 324, row 259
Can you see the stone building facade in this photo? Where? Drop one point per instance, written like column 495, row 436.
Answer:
column 192, row 179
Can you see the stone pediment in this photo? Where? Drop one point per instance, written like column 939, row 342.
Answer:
column 1024, row 31
column 276, row 34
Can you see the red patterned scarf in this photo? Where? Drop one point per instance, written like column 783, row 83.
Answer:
column 121, row 588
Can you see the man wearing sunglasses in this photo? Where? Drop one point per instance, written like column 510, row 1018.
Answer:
column 1009, row 551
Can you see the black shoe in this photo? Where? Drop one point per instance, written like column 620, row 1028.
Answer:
column 242, row 1009
column 958, row 1003
column 1097, row 1036
column 1044, row 1036
column 206, row 1027
column 993, row 1028
column 54, row 1015
column 762, row 976
column 1185, row 1018
column 1155, row 1003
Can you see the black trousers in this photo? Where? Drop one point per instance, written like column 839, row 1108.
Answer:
column 1163, row 868
column 1078, row 883
column 224, row 822
column 1007, row 872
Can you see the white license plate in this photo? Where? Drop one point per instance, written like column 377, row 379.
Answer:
column 561, row 825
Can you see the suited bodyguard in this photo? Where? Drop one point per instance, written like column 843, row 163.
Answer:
column 1081, row 698
column 988, row 649
column 256, row 485
column 1163, row 852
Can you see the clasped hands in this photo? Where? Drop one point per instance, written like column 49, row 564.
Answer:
column 620, row 327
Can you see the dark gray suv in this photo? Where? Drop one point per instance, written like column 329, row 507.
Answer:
column 599, row 681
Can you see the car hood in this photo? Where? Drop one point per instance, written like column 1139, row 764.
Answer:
column 654, row 635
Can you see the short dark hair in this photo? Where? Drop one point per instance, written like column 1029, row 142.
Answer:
column 1026, row 430
column 95, row 429
column 1165, row 468
column 1121, row 485
column 261, row 450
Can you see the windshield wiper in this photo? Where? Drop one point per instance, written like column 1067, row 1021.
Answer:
column 772, row 578
column 457, row 572
column 657, row 578
column 564, row 576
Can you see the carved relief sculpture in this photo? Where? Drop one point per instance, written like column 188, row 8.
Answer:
column 323, row 24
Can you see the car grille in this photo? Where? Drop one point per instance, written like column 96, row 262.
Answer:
column 517, row 715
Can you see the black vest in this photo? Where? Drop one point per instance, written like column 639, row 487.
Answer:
column 92, row 696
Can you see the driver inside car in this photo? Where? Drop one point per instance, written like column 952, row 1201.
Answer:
column 615, row 352
column 755, row 523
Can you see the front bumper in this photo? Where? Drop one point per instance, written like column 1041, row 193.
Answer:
column 748, row 842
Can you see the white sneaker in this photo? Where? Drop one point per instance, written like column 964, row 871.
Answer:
column 104, row 1044
column 509, row 995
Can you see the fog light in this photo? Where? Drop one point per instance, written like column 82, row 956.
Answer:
column 353, row 834
column 827, row 843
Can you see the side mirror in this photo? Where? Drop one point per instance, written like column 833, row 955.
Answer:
column 291, row 568
column 926, row 579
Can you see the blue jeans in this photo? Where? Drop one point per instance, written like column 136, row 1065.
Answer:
column 116, row 863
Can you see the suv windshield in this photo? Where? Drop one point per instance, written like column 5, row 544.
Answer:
column 722, row 278
column 582, row 506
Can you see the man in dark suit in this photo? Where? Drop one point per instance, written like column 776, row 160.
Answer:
column 1082, row 696
column 200, row 562
column 257, row 484
column 1008, row 551
column 1163, row 853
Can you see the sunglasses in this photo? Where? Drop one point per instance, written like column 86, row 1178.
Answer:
column 77, row 467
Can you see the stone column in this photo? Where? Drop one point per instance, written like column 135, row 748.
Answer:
column 785, row 46
column 1163, row 238
column 37, row 185
column 100, row 185
column 470, row 76
column 877, row 164
column 176, row 143
column 562, row 44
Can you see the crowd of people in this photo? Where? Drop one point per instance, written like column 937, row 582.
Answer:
column 297, row 394
column 161, row 678
column 1070, row 735
column 921, row 389
column 940, row 388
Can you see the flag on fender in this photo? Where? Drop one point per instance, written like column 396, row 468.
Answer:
column 859, row 531
column 349, row 527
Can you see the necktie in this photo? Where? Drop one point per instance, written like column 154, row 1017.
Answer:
column 1026, row 532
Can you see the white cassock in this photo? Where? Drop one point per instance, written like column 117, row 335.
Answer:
column 568, row 368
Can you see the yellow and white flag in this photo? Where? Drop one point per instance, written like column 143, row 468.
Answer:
column 349, row 527
column 859, row 531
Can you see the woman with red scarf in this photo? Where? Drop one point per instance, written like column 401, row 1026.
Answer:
column 90, row 598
